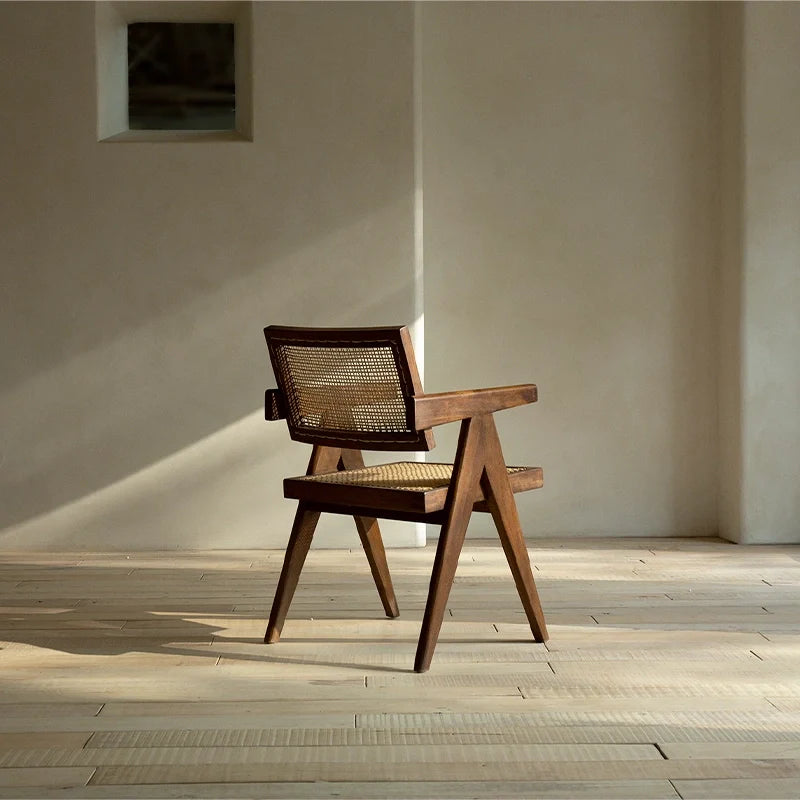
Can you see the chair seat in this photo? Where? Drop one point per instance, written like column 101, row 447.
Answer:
column 404, row 487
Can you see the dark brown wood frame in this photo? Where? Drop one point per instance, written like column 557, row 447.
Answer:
column 480, row 482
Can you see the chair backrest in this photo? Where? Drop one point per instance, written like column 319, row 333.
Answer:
column 348, row 387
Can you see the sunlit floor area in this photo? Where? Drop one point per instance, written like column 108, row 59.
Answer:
column 673, row 670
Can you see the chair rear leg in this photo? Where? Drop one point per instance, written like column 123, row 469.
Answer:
column 466, row 475
column 305, row 522
column 370, row 534
column 500, row 499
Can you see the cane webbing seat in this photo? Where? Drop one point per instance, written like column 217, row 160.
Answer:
column 405, row 487
column 345, row 390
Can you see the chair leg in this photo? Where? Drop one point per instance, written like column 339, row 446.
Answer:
column 500, row 499
column 460, row 497
column 323, row 459
column 305, row 522
column 370, row 534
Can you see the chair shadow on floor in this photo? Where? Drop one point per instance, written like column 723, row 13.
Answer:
column 90, row 611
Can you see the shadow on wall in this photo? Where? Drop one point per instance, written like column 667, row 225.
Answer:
column 211, row 494
column 138, row 277
column 112, row 451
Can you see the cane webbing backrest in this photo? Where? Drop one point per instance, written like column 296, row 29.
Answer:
column 348, row 387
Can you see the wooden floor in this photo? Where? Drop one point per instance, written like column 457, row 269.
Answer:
column 673, row 670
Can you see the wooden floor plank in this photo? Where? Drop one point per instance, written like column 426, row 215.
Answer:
column 705, row 690
column 49, row 711
column 770, row 750
column 786, row 703
column 443, row 701
column 363, row 737
column 375, row 754
column 762, row 719
column 371, row 790
column 739, row 789
column 23, row 741
column 661, row 769
column 297, row 719
column 48, row 777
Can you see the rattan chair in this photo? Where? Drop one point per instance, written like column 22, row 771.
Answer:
column 354, row 389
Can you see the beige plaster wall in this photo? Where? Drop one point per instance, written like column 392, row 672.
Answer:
column 137, row 277
column 609, row 210
column 570, row 240
column 770, row 268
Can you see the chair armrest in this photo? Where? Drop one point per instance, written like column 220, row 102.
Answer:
column 437, row 409
column 274, row 406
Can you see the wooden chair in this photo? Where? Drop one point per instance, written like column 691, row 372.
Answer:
column 348, row 390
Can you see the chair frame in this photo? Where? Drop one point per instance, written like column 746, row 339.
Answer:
column 480, row 482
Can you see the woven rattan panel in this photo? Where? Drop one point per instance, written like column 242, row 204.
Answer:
column 412, row 476
column 343, row 388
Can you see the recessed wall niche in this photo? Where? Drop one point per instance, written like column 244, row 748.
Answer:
column 173, row 71
column 181, row 76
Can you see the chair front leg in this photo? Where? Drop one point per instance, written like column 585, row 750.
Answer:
column 370, row 534
column 305, row 522
column 323, row 459
column 500, row 499
column 458, row 508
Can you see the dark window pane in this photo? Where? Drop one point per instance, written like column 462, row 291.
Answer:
column 181, row 76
